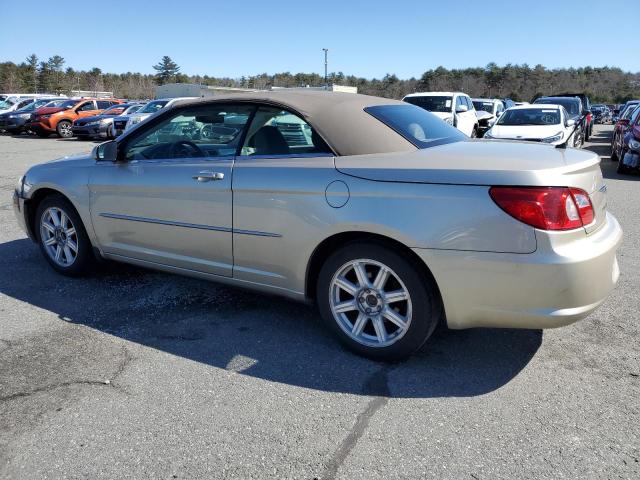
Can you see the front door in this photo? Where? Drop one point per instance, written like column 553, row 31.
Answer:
column 169, row 200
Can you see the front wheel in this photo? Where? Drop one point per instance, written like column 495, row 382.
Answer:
column 64, row 129
column 376, row 302
column 62, row 237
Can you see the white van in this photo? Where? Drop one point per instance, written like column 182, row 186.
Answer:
column 455, row 108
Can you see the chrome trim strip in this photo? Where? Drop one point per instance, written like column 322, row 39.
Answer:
column 290, row 155
column 117, row 216
column 256, row 233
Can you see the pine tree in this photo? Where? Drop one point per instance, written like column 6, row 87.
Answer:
column 167, row 69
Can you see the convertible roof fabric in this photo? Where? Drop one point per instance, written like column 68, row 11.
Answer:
column 338, row 117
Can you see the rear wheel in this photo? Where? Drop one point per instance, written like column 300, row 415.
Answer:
column 62, row 237
column 64, row 129
column 376, row 302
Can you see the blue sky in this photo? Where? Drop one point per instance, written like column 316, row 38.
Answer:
column 364, row 38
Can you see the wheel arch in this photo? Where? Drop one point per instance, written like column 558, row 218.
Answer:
column 338, row 240
column 31, row 207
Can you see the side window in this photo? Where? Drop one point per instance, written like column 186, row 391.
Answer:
column 86, row 107
column 194, row 132
column 460, row 101
column 102, row 104
column 500, row 108
column 278, row 132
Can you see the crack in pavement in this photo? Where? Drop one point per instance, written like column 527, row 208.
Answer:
column 126, row 360
column 376, row 386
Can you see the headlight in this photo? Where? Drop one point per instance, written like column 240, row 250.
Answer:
column 92, row 124
column 22, row 115
column 449, row 120
column 634, row 144
column 45, row 116
column 554, row 138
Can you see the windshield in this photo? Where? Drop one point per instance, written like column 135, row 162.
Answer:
column 628, row 111
column 572, row 105
column 485, row 106
column 5, row 104
column 431, row 104
column 152, row 107
column 530, row 116
column 33, row 105
column 421, row 128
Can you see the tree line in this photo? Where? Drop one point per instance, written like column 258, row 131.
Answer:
column 519, row 82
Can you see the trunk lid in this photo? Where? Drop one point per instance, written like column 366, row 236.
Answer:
column 490, row 163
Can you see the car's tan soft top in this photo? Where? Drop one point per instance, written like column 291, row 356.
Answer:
column 338, row 117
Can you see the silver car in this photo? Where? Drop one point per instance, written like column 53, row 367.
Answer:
column 388, row 218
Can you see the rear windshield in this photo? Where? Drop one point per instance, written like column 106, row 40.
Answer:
column 418, row 126
column 431, row 104
column 530, row 116
column 572, row 105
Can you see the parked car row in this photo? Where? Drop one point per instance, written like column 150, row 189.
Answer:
column 625, row 141
column 563, row 120
column 84, row 118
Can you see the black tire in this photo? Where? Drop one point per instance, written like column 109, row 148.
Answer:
column 63, row 129
column 425, row 300
column 622, row 169
column 587, row 133
column 42, row 134
column 85, row 260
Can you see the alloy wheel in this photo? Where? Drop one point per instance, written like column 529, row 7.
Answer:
column 370, row 303
column 58, row 236
column 65, row 129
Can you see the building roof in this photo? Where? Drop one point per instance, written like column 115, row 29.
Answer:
column 338, row 117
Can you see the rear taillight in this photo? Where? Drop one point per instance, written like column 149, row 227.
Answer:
column 546, row 208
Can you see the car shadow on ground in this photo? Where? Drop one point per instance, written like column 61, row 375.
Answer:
column 260, row 336
column 600, row 143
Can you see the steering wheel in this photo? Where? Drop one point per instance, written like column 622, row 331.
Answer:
column 185, row 149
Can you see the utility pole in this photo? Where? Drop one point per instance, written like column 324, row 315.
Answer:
column 326, row 85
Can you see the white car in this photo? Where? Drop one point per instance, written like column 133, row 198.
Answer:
column 11, row 104
column 537, row 123
column 488, row 110
column 151, row 108
column 455, row 108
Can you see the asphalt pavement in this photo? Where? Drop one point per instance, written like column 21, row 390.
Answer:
column 132, row 373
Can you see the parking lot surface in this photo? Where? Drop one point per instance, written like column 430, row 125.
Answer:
column 136, row 374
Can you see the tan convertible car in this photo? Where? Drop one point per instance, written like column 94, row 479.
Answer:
column 384, row 215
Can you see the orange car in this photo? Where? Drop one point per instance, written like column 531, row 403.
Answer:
column 48, row 120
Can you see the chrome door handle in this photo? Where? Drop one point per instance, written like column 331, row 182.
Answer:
column 208, row 176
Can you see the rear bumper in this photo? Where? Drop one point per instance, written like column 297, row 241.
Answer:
column 564, row 280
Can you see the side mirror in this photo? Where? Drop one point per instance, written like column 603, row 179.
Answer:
column 105, row 152
column 462, row 109
column 571, row 122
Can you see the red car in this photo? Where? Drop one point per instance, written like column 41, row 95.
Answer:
column 620, row 129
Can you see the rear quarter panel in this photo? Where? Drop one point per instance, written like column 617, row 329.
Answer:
column 286, row 198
